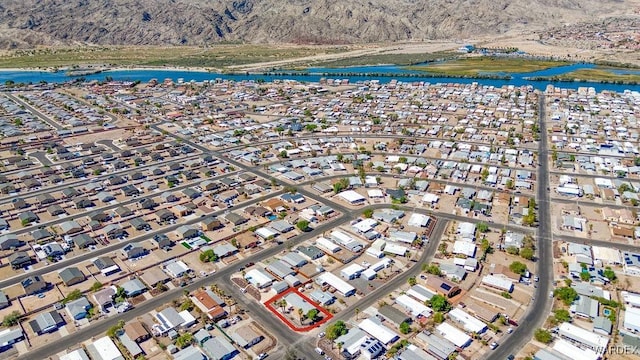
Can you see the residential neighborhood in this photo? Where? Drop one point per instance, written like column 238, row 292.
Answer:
column 331, row 220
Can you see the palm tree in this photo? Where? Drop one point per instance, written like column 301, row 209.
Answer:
column 357, row 313
column 300, row 313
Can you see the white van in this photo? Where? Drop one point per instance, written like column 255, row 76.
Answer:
column 319, row 351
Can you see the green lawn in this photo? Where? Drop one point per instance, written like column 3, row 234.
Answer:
column 479, row 65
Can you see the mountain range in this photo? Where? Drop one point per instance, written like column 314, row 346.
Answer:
column 28, row 23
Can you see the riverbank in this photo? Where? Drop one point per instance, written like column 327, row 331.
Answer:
column 599, row 75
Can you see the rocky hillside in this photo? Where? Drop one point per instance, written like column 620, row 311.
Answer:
column 25, row 23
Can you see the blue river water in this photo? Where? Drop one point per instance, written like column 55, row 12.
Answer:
column 354, row 74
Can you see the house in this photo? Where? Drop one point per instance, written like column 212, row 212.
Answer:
column 133, row 250
column 162, row 241
column 104, row 349
column 187, row 232
column 71, row 276
column 4, row 300
column 19, row 203
column 209, row 303
column 165, row 215
column 133, row 287
column 393, row 315
column 312, row 252
column 211, row 223
column 219, row 348
column 585, row 307
column 235, row 219
column 55, row 210
column 9, row 241
column 104, row 297
column 442, row 286
column 246, row 337
column 380, row 332
column 70, row 227
column 41, row 234
column 123, row 211
column 34, row 285
column 78, row 309
column 136, row 331
column 106, row 265
column 19, row 259
column 46, row 322
column 82, row 203
column 114, row 231
column 139, row 224
column 28, row 217
column 83, row 240
column 8, row 337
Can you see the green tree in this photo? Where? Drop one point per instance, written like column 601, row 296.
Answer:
column 439, row 303
column 585, row 276
column 367, row 213
column 187, row 305
column 566, row 295
column 12, row 318
column 303, row 225
column 313, row 315
column 483, row 227
column 513, row 250
column 518, row 267
column 184, row 340
column 609, row 274
column 96, row 286
column 412, row 281
column 283, row 154
column 433, row 269
column 208, row 256
column 543, row 336
column 527, row 253
column 438, row 317
column 340, row 185
column 561, row 315
column 336, row 330
column 405, row 328
column 74, row 295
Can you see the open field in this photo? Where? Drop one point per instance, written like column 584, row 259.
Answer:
column 604, row 75
column 388, row 58
column 479, row 65
column 217, row 56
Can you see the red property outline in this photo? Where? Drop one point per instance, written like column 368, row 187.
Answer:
column 269, row 305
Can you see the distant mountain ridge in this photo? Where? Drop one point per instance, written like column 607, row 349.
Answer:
column 27, row 23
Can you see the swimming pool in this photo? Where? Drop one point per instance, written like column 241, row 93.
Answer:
column 606, row 312
column 272, row 217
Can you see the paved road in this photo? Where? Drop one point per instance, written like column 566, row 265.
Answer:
column 540, row 308
column 594, row 242
column 109, row 143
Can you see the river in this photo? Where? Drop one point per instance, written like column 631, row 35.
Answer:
column 354, row 74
